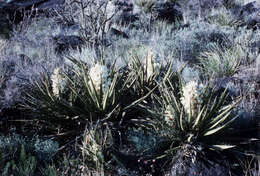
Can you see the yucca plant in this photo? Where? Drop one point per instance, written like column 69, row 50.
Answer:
column 78, row 95
column 191, row 118
column 83, row 93
column 145, row 73
column 97, row 88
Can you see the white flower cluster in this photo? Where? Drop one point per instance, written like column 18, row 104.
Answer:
column 191, row 99
column 58, row 82
column 168, row 116
column 99, row 76
column 151, row 65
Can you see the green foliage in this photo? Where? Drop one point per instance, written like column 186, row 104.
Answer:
column 78, row 98
column 24, row 166
column 144, row 142
column 50, row 170
column 84, row 93
column 43, row 150
column 27, row 164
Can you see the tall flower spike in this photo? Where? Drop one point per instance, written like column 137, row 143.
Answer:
column 191, row 97
column 149, row 62
column 151, row 65
column 99, row 76
column 58, row 82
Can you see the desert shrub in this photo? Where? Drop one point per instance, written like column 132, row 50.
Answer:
column 146, row 14
column 159, row 37
column 247, row 40
column 25, row 166
column 146, row 6
column 143, row 141
column 189, row 42
column 93, row 18
column 173, row 42
column 247, row 108
column 31, row 53
column 3, row 44
column 17, row 73
column 90, row 155
column 223, row 17
column 250, row 166
column 219, row 62
column 199, row 9
column 36, row 42
column 44, row 150
column 190, row 73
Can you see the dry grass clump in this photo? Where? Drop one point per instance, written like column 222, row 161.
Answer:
column 219, row 62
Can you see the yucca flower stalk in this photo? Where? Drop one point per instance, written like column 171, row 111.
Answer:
column 99, row 79
column 191, row 99
column 152, row 67
column 169, row 117
column 96, row 86
column 58, row 82
column 146, row 72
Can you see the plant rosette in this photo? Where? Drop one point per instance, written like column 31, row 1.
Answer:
column 192, row 117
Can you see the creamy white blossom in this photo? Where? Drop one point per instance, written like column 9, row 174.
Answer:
column 99, row 75
column 151, row 65
column 191, row 99
column 168, row 116
column 58, row 82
